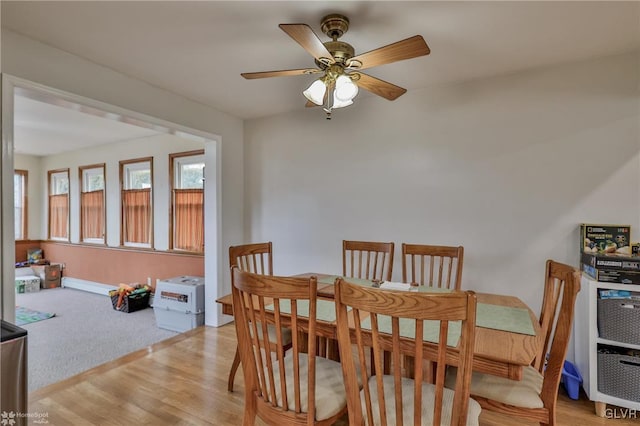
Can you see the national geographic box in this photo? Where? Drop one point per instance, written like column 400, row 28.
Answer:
column 605, row 238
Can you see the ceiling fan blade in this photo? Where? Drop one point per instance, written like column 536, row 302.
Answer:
column 304, row 35
column 280, row 73
column 310, row 104
column 411, row 47
column 380, row 87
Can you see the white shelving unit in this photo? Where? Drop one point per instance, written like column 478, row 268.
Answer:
column 586, row 341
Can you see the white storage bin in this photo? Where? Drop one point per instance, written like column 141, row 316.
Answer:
column 178, row 303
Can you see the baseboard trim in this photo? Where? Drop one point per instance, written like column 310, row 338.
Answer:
column 85, row 285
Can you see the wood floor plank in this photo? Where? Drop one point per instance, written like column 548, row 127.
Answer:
column 183, row 381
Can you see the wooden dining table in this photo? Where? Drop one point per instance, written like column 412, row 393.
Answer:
column 497, row 352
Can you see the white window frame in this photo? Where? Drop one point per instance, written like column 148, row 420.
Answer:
column 86, row 177
column 127, row 170
column 180, row 163
column 55, row 180
column 20, row 206
column 87, row 173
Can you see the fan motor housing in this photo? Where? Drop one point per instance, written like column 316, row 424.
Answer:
column 334, row 25
column 340, row 50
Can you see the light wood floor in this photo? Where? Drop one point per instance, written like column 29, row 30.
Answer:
column 183, row 381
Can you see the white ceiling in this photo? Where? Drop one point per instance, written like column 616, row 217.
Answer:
column 198, row 49
column 44, row 129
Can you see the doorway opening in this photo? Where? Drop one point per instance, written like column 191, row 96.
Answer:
column 45, row 130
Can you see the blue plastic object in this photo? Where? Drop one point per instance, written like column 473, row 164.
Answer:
column 571, row 379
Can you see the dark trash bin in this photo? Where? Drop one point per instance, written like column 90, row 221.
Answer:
column 13, row 365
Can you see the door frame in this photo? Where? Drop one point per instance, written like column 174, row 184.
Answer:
column 213, row 193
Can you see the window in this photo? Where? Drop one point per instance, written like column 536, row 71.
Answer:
column 92, row 205
column 59, row 204
column 187, row 201
column 20, row 204
column 136, row 180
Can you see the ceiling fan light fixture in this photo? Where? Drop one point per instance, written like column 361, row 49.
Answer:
column 346, row 89
column 315, row 92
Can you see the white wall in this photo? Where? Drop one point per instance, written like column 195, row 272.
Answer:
column 159, row 147
column 31, row 60
column 507, row 167
column 33, row 165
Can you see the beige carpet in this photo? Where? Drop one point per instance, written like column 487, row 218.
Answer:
column 85, row 332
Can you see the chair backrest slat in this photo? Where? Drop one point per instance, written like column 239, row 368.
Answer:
column 434, row 266
column 367, row 259
column 395, row 322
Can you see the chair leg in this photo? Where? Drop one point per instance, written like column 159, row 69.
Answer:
column 234, row 369
column 250, row 410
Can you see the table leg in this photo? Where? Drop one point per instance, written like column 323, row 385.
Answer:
column 333, row 351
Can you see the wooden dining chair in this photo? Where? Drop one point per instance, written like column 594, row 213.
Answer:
column 535, row 396
column 258, row 259
column 398, row 322
column 434, row 266
column 281, row 389
column 367, row 259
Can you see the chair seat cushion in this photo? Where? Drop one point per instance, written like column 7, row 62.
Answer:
column 271, row 333
column 520, row 393
column 331, row 396
column 286, row 334
column 428, row 394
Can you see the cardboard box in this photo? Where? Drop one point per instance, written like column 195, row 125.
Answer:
column 611, row 275
column 611, row 261
column 50, row 275
column 605, row 238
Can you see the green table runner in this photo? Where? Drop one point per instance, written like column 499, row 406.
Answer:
column 332, row 280
column 496, row 317
column 505, row 318
column 325, row 310
column 431, row 330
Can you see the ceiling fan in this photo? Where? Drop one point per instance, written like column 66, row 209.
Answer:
column 341, row 69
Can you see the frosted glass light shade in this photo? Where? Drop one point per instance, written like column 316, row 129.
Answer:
column 346, row 89
column 337, row 103
column 315, row 92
